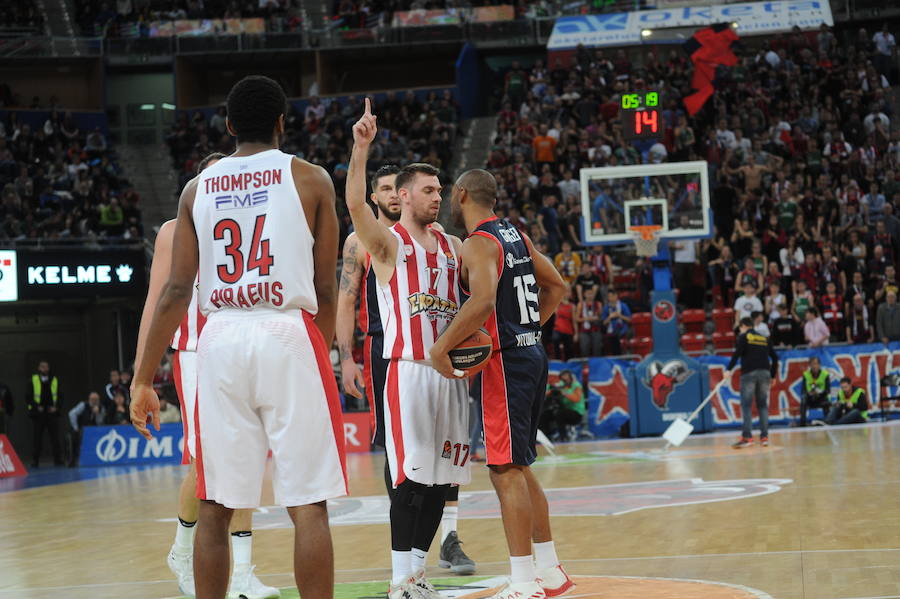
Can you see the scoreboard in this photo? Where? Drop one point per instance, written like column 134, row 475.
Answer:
column 640, row 115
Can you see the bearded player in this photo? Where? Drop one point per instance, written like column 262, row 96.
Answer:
column 512, row 291
column 358, row 283
column 184, row 364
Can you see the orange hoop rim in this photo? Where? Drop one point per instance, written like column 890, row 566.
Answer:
column 648, row 232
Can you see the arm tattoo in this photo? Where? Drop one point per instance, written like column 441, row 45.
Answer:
column 350, row 271
column 345, row 351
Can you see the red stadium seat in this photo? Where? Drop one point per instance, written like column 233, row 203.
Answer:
column 642, row 346
column 693, row 342
column 723, row 341
column 724, row 319
column 627, row 279
column 693, row 320
column 641, row 322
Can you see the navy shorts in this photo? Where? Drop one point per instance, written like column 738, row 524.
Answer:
column 512, row 389
column 375, row 369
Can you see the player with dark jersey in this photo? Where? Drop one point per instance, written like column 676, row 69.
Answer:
column 512, row 290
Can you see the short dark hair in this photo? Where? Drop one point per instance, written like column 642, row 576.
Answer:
column 746, row 322
column 480, row 185
column 384, row 171
column 755, row 314
column 201, row 166
column 813, row 310
column 408, row 173
column 254, row 105
column 847, row 380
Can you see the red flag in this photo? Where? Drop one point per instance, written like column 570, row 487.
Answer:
column 708, row 48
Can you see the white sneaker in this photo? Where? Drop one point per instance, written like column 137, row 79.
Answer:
column 405, row 590
column 245, row 585
column 182, row 566
column 426, row 589
column 520, row 590
column 554, row 581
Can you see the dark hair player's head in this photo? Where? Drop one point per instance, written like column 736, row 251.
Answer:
column 212, row 158
column 476, row 185
column 419, row 190
column 384, row 191
column 256, row 107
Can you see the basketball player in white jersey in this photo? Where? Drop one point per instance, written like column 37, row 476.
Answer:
column 184, row 365
column 426, row 421
column 358, row 283
column 260, row 229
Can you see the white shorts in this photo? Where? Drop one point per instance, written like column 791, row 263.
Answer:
column 184, row 369
column 265, row 382
column 426, row 425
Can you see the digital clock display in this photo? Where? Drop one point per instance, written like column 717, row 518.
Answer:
column 640, row 115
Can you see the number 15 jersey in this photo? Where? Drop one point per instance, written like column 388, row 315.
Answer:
column 256, row 249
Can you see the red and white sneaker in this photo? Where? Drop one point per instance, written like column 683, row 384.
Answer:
column 520, row 590
column 555, row 581
column 764, row 441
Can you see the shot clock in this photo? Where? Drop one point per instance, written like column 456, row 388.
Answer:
column 640, row 115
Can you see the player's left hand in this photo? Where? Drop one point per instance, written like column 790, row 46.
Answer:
column 440, row 361
column 144, row 403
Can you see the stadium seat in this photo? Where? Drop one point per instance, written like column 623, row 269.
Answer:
column 641, row 345
column 724, row 319
column 640, row 321
column 627, row 279
column 693, row 342
column 723, row 341
column 693, row 320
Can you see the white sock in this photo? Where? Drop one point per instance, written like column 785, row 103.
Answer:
column 400, row 566
column 522, row 569
column 417, row 560
column 448, row 521
column 545, row 555
column 184, row 536
column 241, row 547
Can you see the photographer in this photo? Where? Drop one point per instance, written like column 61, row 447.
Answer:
column 852, row 406
column 816, row 385
column 89, row 412
column 564, row 407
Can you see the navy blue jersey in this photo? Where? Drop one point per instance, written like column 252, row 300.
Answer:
column 515, row 321
column 369, row 317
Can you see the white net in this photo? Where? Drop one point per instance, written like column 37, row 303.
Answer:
column 645, row 247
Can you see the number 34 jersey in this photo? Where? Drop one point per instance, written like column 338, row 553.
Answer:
column 515, row 321
column 256, row 249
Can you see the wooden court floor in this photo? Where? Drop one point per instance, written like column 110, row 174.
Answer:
column 814, row 516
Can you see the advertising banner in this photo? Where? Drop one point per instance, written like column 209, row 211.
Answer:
column 9, row 281
column 358, row 431
column 123, row 445
column 63, row 274
column 205, row 27
column 488, row 14
column 416, row 18
column 10, row 464
column 752, row 18
column 607, row 388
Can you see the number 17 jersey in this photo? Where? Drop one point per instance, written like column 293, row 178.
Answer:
column 515, row 321
column 256, row 248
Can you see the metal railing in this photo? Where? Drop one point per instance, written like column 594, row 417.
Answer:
column 68, row 243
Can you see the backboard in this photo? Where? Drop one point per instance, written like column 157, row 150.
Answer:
column 674, row 195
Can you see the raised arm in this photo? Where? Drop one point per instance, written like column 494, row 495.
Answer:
column 480, row 259
column 550, row 283
column 375, row 237
column 170, row 308
column 159, row 274
column 352, row 272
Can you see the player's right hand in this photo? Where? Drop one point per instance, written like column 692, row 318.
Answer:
column 352, row 379
column 144, row 403
column 364, row 130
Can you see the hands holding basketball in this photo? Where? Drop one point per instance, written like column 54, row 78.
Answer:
column 365, row 128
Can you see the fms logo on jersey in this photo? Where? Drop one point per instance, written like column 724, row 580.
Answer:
column 234, row 201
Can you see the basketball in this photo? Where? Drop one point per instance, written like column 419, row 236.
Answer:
column 472, row 353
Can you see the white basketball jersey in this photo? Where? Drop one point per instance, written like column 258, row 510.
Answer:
column 255, row 243
column 421, row 298
column 187, row 333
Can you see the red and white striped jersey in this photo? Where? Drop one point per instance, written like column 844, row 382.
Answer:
column 187, row 333
column 256, row 248
column 421, row 298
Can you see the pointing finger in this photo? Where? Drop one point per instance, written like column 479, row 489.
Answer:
column 368, row 107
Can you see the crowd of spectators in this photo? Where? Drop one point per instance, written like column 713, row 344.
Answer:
column 25, row 17
column 60, row 182
column 133, row 17
column 410, row 129
column 804, row 169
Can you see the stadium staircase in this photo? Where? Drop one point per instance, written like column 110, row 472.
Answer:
column 149, row 168
column 59, row 16
column 470, row 150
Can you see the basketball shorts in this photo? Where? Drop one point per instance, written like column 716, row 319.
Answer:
column 375, row 369
column 184, row 370
column 426, row 425
column 265, row 383
column 512, row 388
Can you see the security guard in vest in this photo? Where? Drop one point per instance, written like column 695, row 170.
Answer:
column 816, row 385
column 852, row 406
column 43, row 408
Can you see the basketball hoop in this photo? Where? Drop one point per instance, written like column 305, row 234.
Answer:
column 646, row 239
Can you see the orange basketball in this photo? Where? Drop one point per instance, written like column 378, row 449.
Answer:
column 473, row 353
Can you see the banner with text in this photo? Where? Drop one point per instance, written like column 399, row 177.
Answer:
column 607, row 387
column 752, row 18
column 10, row 464
column 62, row 274
column 122, row 445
